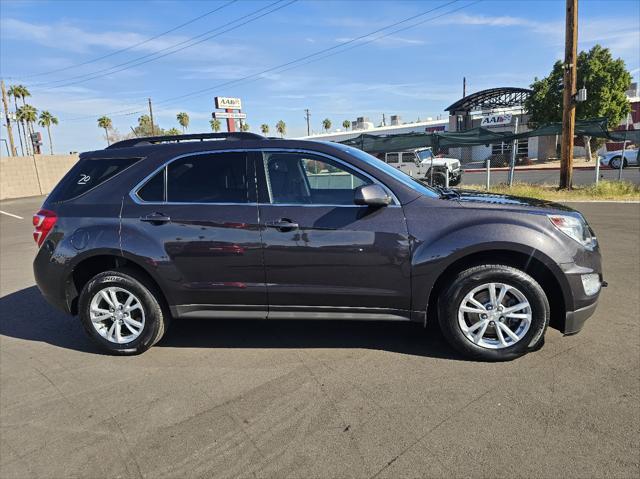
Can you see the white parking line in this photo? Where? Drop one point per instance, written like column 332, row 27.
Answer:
column 12, row 215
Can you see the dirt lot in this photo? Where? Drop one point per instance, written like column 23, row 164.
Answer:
column 317, row 399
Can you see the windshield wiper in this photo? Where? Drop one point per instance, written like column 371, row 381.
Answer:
column 446, row 192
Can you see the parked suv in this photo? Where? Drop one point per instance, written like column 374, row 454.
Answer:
column 423, row 164
column 240, row 226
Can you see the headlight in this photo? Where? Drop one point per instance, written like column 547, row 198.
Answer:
column 575, row 228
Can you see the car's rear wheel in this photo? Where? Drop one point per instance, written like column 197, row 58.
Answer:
column 121, row 313
column 494, row 313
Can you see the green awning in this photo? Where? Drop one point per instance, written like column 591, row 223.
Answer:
column 595, row 128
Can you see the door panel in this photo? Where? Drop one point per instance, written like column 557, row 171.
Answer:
column 209, row 255
column 318, row 255
column 337, row 257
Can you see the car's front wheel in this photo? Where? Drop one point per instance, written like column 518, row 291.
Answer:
column 615, row 162
column 494, row 313
column 121, row 313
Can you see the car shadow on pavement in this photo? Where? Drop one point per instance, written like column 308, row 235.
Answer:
column 399, row 337
column 26, row 315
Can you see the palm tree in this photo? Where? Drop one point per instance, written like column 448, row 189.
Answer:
column 264, row 128
column 173, row 131
column 16, row 92
column 105, row 122
column 12, row 93
column 24, row 93
column 281, row 128
column 46, row 120
column 29, row 115
column 346, row 124
column 215, row 125
column 183, row 120
column 326, row 124
column 244, row 126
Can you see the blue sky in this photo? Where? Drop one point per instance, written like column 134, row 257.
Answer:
column 415, row 72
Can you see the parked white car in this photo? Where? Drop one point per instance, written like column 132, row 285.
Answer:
column 612, row 158
column 421, row 163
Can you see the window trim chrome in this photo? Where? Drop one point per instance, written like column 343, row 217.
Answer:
column 133, row 193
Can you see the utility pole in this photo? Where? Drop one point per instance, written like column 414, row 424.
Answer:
column 568, row 103
column 464, row 87
column 8, row 120
column 307, row 116
column 153, row 130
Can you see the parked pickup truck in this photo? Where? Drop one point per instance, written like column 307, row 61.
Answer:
column 423, row 164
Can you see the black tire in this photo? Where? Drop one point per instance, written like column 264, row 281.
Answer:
column 615, row 162
column 464, row 282
column 156, row 317
column 455, row 182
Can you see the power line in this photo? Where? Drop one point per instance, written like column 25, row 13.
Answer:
column 249, row 79
column 320, row 52
column 293, row 63
column 132, row 63
column 130, row 47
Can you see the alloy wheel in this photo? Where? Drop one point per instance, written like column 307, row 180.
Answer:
column 117, row 315
column 494, row 315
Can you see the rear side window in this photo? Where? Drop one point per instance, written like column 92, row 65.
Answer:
column 393, row 157
column 206, row 178
column 87, row 174
column 210, row 178
column 153, row 190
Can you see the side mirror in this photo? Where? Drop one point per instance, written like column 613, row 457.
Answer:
column 371, row 195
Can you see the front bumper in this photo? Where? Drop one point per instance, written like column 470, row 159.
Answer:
column 575, row 320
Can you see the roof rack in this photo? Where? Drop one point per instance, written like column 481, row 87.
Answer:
column 153, row 140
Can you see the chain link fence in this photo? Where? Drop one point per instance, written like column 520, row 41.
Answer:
column 536, row 160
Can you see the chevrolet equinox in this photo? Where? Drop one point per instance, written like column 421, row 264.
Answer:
column 236, row 225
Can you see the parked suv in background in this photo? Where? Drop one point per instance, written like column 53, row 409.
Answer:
column 240, row 226
column 422, row 164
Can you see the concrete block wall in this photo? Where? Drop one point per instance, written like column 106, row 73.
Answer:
column 22, row 176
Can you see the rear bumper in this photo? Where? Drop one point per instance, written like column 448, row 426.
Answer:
column 52, row 280
column 574, row 320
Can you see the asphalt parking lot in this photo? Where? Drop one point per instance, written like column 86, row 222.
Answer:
column 318, row 399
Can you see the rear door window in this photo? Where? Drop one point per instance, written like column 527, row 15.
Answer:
column 408, row 157
column 204, row 178
column 208, row 178
column 87, row 174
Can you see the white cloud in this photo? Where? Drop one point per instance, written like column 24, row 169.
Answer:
column 219, row 72
column 68, row 37
column 620, row 34
column 495, row 21
column 389, row 41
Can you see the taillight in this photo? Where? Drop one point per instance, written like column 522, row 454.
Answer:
column 43, row 221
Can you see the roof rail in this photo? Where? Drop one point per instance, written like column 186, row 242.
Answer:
column 152, row 140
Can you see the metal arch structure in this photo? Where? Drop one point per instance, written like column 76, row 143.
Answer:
column 490, row 99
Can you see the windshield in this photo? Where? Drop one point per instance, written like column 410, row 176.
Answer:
column 424, row 154
column 391, row 171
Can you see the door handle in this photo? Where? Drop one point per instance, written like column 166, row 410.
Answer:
column 155, row 218
column 283, row 224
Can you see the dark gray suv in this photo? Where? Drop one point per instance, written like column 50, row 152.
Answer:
column 241, row 226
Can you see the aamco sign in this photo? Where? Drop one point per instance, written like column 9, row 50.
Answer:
column 496, row 120
column 228, row 103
